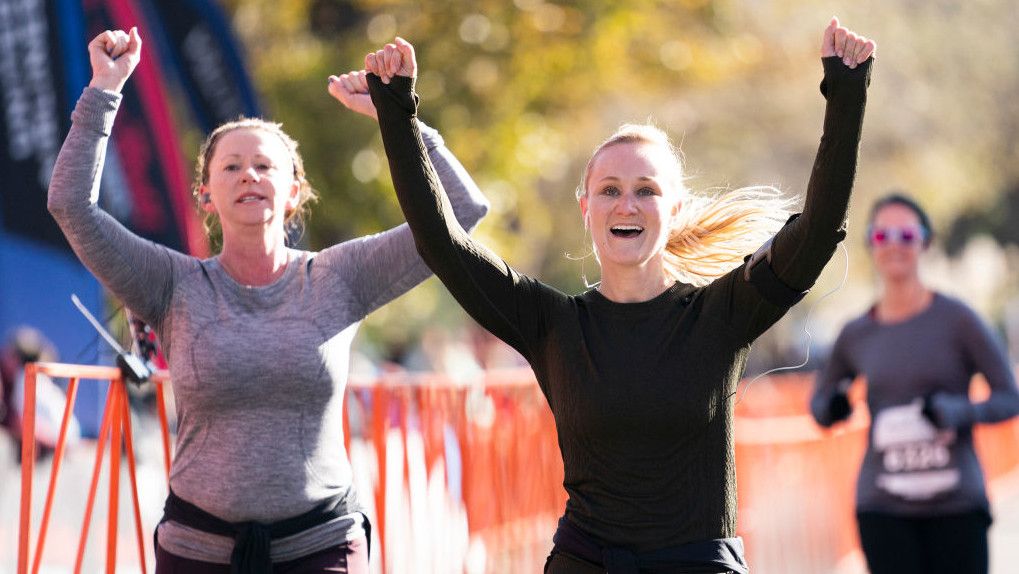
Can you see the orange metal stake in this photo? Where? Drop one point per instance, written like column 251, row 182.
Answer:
column 27, row 465
column 104, row 429
column 380, row 422
column 117, row 387
column 58, row 455
column 129, row 447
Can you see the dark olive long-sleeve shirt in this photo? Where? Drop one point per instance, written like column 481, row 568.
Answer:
column 642, row 393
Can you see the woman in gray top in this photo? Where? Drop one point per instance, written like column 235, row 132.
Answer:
column 920, row 499
column 257, row 337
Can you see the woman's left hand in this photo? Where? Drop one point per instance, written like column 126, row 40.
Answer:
column 351, row 89
column 948, row 411
column 846, row 44
column 395, row 59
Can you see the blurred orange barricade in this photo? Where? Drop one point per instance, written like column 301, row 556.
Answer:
column 468, row 477
column 116, row 424
column 472, row 474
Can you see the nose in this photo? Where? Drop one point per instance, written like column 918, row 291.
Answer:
column 249, row 174
column 627, row 204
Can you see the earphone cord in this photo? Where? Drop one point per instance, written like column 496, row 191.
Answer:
column 583, row 263
column 806, row 329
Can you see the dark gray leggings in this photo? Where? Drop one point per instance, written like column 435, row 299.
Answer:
column 953, row 544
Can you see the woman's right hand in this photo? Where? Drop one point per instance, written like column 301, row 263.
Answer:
column 351, row 89
column 114, row 55
column 840, row 41
column 396, row 59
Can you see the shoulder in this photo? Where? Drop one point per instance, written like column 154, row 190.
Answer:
column 953, row 311
column 954, row 307
column 857, row 327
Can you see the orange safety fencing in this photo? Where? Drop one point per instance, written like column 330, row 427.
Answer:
column 116, row 424
column 468, row 477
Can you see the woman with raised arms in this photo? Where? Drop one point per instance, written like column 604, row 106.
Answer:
column 641, row 372
column 257, row 337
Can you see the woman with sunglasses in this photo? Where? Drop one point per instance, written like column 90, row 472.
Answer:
column 920, row 499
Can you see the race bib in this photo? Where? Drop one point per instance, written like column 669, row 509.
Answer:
column 915, row 455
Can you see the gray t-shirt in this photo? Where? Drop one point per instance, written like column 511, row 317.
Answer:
column 911, row 467
column 259, row 373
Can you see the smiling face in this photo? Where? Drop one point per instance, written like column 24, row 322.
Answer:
column 251, row 180
column 896, row 242
column 631, row 199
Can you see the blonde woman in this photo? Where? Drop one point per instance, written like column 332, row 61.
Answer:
column 640, row 373
column 257, row 337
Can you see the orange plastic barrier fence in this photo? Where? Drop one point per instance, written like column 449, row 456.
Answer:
column 469, row 478
column 116, row 424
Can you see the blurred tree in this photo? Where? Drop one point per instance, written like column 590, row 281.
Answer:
column 523, row 91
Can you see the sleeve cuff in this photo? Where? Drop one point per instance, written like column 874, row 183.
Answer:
column 837, row 75
column 398, row 92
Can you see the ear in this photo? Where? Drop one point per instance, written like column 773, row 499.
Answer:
column 295, row 196
column 583, row 211
column 205, row 199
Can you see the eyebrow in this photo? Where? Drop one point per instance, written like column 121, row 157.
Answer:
column 614, row 178
column 257, row 156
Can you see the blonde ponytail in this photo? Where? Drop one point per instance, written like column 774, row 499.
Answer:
column 710, row 235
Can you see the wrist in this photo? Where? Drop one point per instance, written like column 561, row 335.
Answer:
column 108, row 84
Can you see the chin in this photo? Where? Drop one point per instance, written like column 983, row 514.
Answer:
column 895, row 275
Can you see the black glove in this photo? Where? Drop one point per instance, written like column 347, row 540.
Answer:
column 928, row 411
column 839, row 407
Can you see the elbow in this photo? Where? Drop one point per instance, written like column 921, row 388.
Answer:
column 1013, row 407
column 56, row 208
column 1009, row 402
column 479, row 208
column 52, row 205
column 999, row 408
column 484, row 206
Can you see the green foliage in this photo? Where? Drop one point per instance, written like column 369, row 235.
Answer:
column 522, row 91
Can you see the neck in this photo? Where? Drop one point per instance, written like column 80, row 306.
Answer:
column 254, row 259
column 902, row 298
column 634, row 284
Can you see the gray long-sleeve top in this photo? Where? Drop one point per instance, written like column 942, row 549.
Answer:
column 258, row 373
column 911, row 467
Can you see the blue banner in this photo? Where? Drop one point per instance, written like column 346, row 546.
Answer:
column 43, row 67
column 145, row 180
column 197, row 45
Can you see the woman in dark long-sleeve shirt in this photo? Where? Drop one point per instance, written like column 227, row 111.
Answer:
column 640, row 373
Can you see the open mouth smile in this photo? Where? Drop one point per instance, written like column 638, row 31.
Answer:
column 626, row 231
